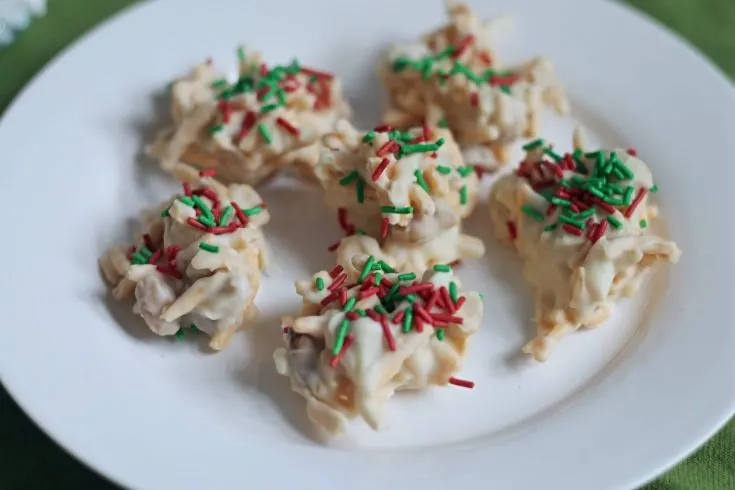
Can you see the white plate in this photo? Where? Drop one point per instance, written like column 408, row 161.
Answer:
column 612, row 408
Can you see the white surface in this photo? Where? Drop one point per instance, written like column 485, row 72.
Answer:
column 612, row 407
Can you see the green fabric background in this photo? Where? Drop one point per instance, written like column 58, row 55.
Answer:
column 29, row 460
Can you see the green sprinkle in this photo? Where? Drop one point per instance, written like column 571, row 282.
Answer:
column 628, row 198
column 219, row 84
column 393, row 290
column 654, row 189
column 557, row 158
column 533, row 213
column 360, row 312
column 206, row 221
column 269, row 107
column 533, row 144
column 378, row 276
column 360, row 191
column 439, row 142
column 466, row 170
column 350, row 304
column 551, row 227
column 216, row 129
column 407, row 320
column 294, row 68
column 164, row 213
column 644, row 223
column 201, row 205
column 506, row 89
column 426, row 68
column 411, row 298
column 369, row 137
column 408, row 276
column 440, row 333
column 264, row 133
column 386, row 268
column 593, row 154
column 252, row 211
column 138, row 259
column 145, row 252
column 380, row 309
column 226, row 215
column 443, row 123
column 349, row 178
column 420, row 180
column 179, row 335
column 573, row 222
column 453, row 292
column 444, row 170
column 396, row 210
column 209, row 247
column 587, row 214
column 341, row 334
column 366, row 269
column 420, row 148
column 596, row 192
column 443, row 268
column 463, row 195
column 244, row 84
column 613, row 221
column 400, row 63
column 241, row 54
column 320, row 284
column 194, row 328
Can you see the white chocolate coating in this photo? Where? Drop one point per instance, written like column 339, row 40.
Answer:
column 369, row 367
column 452, row 77
column 576, row 279
column 183, row 283
column 245, row 129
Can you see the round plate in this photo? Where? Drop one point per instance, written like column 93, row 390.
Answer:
column 612, row 408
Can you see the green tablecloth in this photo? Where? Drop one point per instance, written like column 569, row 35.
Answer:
column 29, row 460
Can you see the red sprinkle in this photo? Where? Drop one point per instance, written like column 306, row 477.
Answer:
column 288, row 126
column 247, row 124
column 148, row 242
column 196, row 224
column 432, row 301
column 474, row 99
column 461, row 382
column 172, row 251
column 455, row 263
column 286, row 329
column 386, row 148
column 169, row 271
column 366, row 293
column 398, row 317
column 334, row 246
column 485, row 58
column 154, row 258
column 446, row 300
column 466, row 42
column 384, row 228
column 389, row 339
column 240, row 215
column 316, row 73
column 342, row 297
column 208, row 172
column 336, row 271
column 263, row 69
column 380, row 169
column 341, row 353
column 337, row 282
column 329, row 299
column 261, row 93
column 632, row 152
column 226, row 110
column 187, row 188
column 419, row 324
column 636, row 201
column 419, row 311
column 572, row 229
column 600, row 231
column 512, row 230
column 351, row 315
column 427, row 133
column 604, row 206
column 460, row 302
column 448, row 318
column 384, row 128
